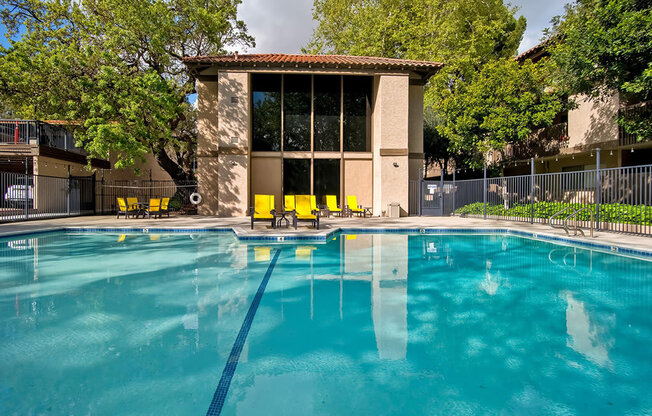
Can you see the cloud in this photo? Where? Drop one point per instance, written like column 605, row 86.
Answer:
column 284, row 26
column 279, row 26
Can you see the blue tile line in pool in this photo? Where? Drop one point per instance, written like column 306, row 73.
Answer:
column 229, row 369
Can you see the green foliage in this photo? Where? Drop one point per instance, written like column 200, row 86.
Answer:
column 462, row 31
column 614, row 213
column 606, row 46
column 503, row 103
column 113, row 69
column 482, row 99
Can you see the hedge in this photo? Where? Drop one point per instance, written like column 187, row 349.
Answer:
column 616, row 213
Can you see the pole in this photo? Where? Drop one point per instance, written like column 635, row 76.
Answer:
column 454, row 190
column 420, row 190
column 102, row 194
column 68, row 193
column 531, row 190
column 484, row 192
column 598, row 189
column 26, row 185
column 16, row 134
column 441, row 193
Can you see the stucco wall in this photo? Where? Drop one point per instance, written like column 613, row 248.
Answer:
column 207, row 145
column 593, row 121
column 358, row 181
column 149, row 165
column 390, row 141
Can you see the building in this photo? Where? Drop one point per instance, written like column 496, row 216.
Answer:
column 307, row 124
column 570, row 144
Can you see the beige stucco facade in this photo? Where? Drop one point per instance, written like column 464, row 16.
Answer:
column 229, row 173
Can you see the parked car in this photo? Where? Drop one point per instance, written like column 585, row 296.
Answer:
column 15, row 196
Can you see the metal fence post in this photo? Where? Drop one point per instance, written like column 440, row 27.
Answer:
column 454, row 190
column 68, row 193
column 26, row 189
column 598, row 188
column 531, row 190
column 102, row 194
column 484, row 192
column 420, row 190
column 441, row 192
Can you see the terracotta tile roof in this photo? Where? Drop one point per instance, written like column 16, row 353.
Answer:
column 535, row 53
column 300, row 60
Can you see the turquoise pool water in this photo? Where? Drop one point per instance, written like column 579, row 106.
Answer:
column 144, row 324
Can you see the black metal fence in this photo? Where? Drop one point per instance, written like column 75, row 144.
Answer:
column 29, row 197
column 615, row 199
column 25, row 197
column 178, row 192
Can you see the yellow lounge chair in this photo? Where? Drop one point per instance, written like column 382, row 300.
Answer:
column 153, row 209
column 304, row 211
column 164, row 207
column 124, row 209
column 289, row 204
column 133, row 203
column 263, row 210
column 331, row 205
column 313, row 203
column 353, row 207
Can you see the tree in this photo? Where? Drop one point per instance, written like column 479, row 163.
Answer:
column 114, row 69
column 503, row 104
column 604, row 46
column 464, row 34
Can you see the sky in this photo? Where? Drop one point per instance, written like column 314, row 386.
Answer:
column 284, row 26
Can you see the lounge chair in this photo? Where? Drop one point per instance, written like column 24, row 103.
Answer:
column 133, row 203
column 331, row 205
column 124, row 209
column 153, row 209
column 354, row 208
column 313, row 203
column 304, row 211
column 164, row 207
column 263, row 210
column 289, row 203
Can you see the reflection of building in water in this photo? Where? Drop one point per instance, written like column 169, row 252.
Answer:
column 389, row 294
column 588, row 337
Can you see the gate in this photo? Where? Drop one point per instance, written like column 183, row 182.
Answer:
column 431, row 198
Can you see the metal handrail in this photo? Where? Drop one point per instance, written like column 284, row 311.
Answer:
column 577, row 228
column 556, row 214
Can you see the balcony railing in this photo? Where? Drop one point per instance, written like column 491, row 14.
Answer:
column 637, row 113
column 37, row 132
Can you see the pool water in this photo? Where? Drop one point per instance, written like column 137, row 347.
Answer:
column 191, row 324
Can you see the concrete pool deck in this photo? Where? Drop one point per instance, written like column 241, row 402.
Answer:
column 241, row 227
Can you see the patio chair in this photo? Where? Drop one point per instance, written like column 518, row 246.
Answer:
column 133, row 203
column 263, row 210
column 289, row 203
column 354, row 208
column 304, row 211
column 124, row 209
column 331, row 205
column 153, row 209
column 164, row 207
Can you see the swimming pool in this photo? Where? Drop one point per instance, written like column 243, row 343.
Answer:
column 189, row 324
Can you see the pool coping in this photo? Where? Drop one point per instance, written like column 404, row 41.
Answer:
column 325, row 235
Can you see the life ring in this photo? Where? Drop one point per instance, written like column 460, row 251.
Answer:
column 195, row 198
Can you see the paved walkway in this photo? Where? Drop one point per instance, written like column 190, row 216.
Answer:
column 241, row 226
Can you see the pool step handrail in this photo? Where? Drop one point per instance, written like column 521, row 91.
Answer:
column 552, row 217
column 576, row 228
column 564, row 225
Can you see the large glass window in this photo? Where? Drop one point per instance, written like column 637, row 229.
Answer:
column 296, row 116
column 327, row 178
column 357, row 98
column 296, row 176
column 327, row 112
column 266, row 112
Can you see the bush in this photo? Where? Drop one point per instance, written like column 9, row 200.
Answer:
column 616, row 213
